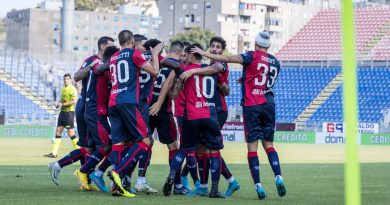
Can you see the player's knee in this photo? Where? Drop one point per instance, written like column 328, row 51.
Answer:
column 268, row 145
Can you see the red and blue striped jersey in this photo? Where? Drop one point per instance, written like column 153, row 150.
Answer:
column 125, row 66
column 98, row 92
column 223, row 78
column 259, row 75
column 158, row 83
column 80, row 106
column 200, row 94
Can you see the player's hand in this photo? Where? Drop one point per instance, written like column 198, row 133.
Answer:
column 96, row 61
column 187, row 74
column 198, row 50
column 154, row 109
column 157, row 49
column 239, row 80
column 59, row 104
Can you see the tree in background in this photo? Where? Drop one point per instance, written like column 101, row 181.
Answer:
column 92, row 5
column 195, row 35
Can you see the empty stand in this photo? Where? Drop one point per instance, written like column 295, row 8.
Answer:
column 320, row 38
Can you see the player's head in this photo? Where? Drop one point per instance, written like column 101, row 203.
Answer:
column 217, row 45
column 176, row 48
column 104, row 42
column 193, row 57
column 151, row 43
column 262, row 41
column 67, row 79
column 184, row 57
column 109, row 52
column 139, row 41
column 126, row 39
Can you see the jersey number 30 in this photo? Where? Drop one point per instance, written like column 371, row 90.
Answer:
column 120, row 73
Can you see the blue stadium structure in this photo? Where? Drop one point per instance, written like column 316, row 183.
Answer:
column 18, row 106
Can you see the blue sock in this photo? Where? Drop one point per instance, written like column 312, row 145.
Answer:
column 253, row 161
column 274, row 160
column 204, row 167
column 71, row 158
column 225, row 170
column 191, row 166
column 131, row 158
column 95, row 158
column 144, row 161
column 116, row 154
column 176, row 163
column 215, row 167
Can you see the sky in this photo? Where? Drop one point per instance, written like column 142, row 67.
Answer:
column 7, row 5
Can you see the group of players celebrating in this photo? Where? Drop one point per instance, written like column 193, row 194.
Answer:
column 128, row 93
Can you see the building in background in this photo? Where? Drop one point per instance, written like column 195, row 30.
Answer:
column 38, row 30
column 239, row 21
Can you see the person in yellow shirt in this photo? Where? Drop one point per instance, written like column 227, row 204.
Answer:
column 66, row 116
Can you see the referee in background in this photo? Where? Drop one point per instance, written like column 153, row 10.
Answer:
column 66, row 116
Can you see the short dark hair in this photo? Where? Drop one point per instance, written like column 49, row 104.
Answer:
column 151, row 43
column 176, row 47
column 218, row 40
column 67, row 75
column 186, row 43
column 109, row 52
column 139, row 38
column 124, row 36
column 104, row 40
column 196, row 55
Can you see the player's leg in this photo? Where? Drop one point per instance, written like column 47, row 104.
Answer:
column 214, row 142
column 203, row 161
column 144, row 159
column 138, row 130
column 72, row 157
column 71, row 132
column 253, row 132
column 186, row 170
column 233, row 183
column 57, row 139
column 100, row 130
column 167, row 133
column 188, row 142
column 268, row 124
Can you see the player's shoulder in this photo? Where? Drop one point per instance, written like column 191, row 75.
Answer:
column 274, row 59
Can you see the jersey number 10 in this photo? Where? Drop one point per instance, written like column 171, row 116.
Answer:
column 205, row 80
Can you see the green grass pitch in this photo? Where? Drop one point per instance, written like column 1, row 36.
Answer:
column 313, row 175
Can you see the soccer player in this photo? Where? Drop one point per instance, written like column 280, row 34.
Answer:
column 217, row 46
column 66, row 116
column 161, row 110
column 81, row 154
column 124, row 113
column 146, row 85
column 97, row 95
column 139, row 42
column 260, row 72
column 200, row 118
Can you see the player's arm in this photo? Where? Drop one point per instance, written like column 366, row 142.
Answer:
column 171, row 64
column 209, row 70
column 176, row 89
column 103, row 67
column 220, row 58
column 166, row 87
column 155, row 59
column 224, row 89
column 83, row 72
